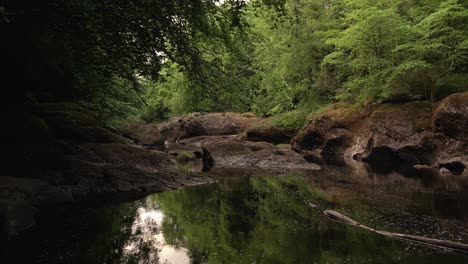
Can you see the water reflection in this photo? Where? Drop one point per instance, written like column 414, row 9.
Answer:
column 270, row 220
column 147, row 243
column 254, row 219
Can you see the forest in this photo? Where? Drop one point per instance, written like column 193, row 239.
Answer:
column 154, row 60
column 234, row 131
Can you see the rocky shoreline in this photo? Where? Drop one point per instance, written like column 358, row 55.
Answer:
column 408, row 138
column 59, row 153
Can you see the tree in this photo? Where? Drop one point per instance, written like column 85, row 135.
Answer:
column 289, row 48
column 363, row 59
column 439, row 48
column 69, row 49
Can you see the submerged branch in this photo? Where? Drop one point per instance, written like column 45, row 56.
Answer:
column 445, row 245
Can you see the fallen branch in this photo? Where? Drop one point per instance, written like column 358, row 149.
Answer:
column 445, row 245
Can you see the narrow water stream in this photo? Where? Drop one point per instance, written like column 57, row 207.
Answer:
column 258, row 219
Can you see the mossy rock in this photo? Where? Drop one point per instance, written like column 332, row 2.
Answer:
column 146, row 134
column 26, row 127
column 31, row 147
column 185, row 156
column 68, row 112
column 451, row 116
column 418, row 113
column 71, row 121
column 278, row 129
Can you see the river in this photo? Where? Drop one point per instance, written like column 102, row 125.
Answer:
column 258, row 219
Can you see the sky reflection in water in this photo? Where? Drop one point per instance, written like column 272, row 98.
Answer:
column 146, row 234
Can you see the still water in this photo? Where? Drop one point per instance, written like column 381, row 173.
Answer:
column 258, row 219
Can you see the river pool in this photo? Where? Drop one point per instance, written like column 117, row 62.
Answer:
column 258, row 219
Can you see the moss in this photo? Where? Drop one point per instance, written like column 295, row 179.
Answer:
column 185, row 155
column 418, row 112
column 342, row 112
column 290, row 120
column 70, row 111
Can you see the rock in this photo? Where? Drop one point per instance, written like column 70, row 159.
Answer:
column 204, row 124
column 390, row 137
column 73, row 122
column 455, row 167
column 395, row 133
column 269, row 133
column 68, row 112
column 91, row 159
column 208, row 160
column 142, row 133
column 118, row 154
column 257, row 155
column 34, row 191
column 406, row 160
column 113, row 168
column 30, row 146
column 451, row 117
column 203, row 140
column 328, row 133
column 444, row 171
column 19, row 198
column 398, row 125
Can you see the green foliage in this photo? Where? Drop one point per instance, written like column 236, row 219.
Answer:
column 96, row 52
column 289, row 51
column 224, row 82
column 307, row 54
column 116, row 101
column 157, row 59
column 363, row 57
column 386, row 53
column 439, row 48
column 291, row 120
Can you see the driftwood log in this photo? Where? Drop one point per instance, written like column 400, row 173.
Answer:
column 444, row 245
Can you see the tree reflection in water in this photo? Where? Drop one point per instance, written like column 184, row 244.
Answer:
column 255, row 220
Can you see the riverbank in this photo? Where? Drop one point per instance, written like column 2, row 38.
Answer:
column 58, row 152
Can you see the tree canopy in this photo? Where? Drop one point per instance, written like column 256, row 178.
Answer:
column 155, row 59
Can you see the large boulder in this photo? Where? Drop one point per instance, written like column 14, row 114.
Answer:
column 70, row 121
column 386, row 136
column 66, row 147
column 398, row 125
column 19, row 198
column 206, row 124
column 392, row 139
column 142, row 133
column 449, row 139
column 257, row 155
column 29, row 146
column 328, row 133
column 451, row 116
column 267, row 132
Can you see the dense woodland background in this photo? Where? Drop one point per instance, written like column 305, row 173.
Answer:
column 155, row 59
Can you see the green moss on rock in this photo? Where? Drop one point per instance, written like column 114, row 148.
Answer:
column 69, row 111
